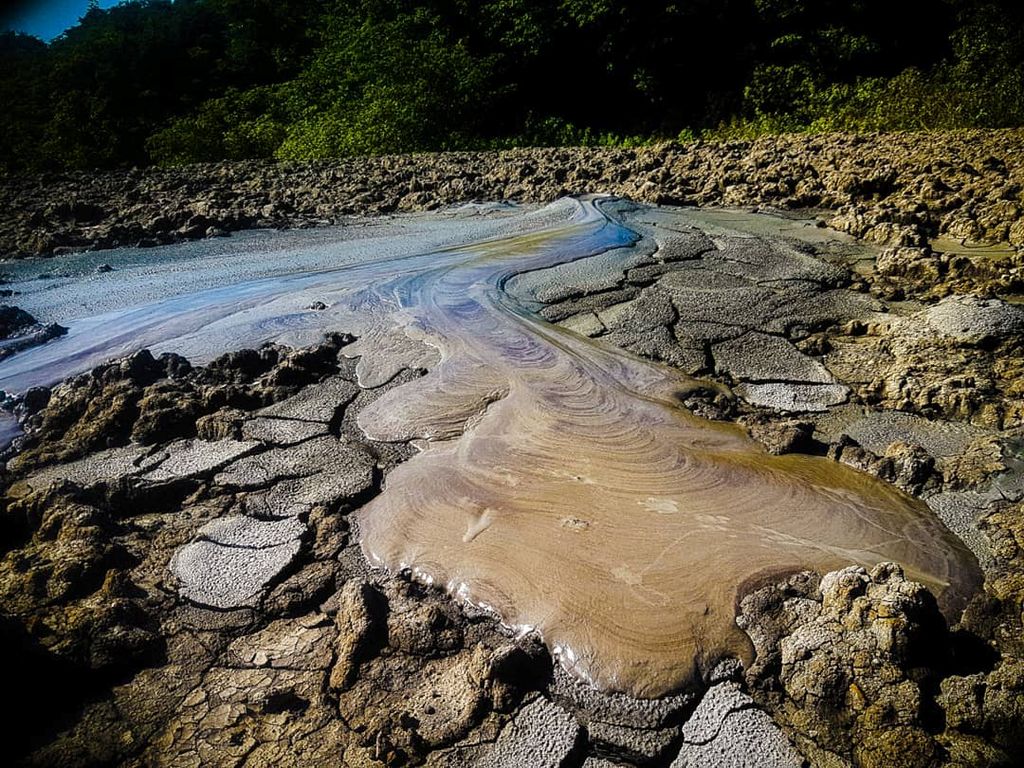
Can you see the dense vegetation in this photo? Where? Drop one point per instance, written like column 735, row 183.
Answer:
column 156, row 81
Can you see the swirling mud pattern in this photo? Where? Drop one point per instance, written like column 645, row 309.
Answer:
column 560, row 484
column 584, row 502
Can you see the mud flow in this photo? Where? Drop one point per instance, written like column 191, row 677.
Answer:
column 560, row 483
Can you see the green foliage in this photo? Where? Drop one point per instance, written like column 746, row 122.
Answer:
column 556, row 132
column 386, row 84
column 979, row 84
column 201, row 80
column 238, row 125
column 23, row 67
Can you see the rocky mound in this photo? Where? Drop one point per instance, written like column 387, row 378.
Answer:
column 895, row 189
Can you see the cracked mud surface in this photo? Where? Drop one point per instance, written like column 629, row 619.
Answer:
column 181, row 560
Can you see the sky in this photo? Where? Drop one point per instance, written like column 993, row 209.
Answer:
column 45, row 18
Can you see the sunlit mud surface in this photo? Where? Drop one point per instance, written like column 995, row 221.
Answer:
column 561, row 485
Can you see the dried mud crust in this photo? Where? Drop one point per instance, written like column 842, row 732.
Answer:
column 789, row 328
column 900, row 190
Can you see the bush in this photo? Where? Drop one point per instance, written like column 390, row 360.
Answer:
column 557, row 132
column 387, row 84
column 235, row 126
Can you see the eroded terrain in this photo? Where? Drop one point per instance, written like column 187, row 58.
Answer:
column 184, row 539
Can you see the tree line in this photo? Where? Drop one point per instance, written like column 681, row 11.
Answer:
column 155, row 81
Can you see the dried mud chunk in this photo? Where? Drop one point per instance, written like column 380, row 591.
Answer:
column 167, row 409
column 975, row 321
column 316, row 402
column 424, row 628
column 234, row 560
column 302, row 643
column 853, row 656
column 761, row 357
column 781, row 437
column 330, row 470
column 542, row 735
column 190, row 459
column 447, row 706
column 361, row 627
column 794, row 397
column 727, row 730
column 282, row 432
column 225, row 423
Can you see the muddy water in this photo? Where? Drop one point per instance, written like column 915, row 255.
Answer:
column 581, row 501
column 560, row 483
column 204, row 298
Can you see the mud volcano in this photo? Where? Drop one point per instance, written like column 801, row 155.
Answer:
column 560, row 484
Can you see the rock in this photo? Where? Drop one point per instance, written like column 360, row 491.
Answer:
column 727, row 729
column 906, row 364
column 423, row 628
column 100, row 410
column 894, row 189
column 541, row 735
column 962, row 700
column 19, row 330
column 843, row 666
column 69, row 582
column 243, row 365
column 917, row 264
column 876, row 430
column 398, row 675
column 14, row 320
column 34, row 400
column 233, row 561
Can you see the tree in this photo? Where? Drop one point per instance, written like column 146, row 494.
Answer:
column 385, row 80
